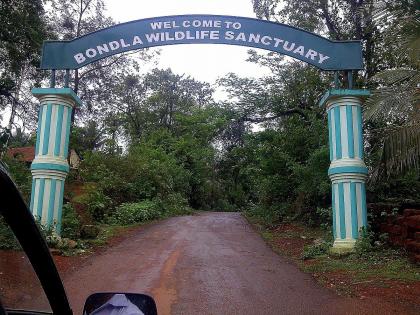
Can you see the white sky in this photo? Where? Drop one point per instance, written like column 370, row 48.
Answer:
column 203, row 62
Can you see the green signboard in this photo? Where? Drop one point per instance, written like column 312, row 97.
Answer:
column 203, row 29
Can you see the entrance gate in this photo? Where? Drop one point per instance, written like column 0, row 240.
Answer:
column 344, row 106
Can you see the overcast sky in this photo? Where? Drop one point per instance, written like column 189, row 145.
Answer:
column 203, row 62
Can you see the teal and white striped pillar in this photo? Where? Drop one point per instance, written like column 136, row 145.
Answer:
column 347, row 171
column 50, row 167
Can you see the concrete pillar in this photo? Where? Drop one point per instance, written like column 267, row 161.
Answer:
column 50, row 167
column 347, row 171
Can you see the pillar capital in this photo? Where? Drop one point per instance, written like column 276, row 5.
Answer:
column 340, row 95
column 65, row 96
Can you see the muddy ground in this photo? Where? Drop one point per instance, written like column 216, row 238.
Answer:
column 211, row 263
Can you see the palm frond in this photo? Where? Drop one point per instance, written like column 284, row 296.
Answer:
column 397, row 96
column 401, row 151
column 414, row 50
column 391, row 104
column 401, row 25
column 396, row 101
column 398, row 76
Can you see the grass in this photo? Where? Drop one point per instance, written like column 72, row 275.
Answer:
column 365, row 268
column 106, row 232
column 380, row 265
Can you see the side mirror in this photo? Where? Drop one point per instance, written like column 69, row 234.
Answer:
column 121, row 303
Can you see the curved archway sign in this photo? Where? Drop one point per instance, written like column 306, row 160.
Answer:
column 203, row 29
column 344, row 107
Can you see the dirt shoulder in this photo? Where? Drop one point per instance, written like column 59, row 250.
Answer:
column 19, row 285
column 386, row 275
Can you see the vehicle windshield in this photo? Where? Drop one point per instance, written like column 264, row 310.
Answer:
column 19, row 284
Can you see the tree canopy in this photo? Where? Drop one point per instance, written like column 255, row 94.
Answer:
column 160, row 140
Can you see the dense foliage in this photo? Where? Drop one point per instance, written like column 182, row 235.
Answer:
column 21, row 34
column 157, row 144
column 130, row 213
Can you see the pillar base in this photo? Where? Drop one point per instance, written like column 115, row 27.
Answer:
column 343, row 247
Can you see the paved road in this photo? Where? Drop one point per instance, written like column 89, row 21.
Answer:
column 212, row 263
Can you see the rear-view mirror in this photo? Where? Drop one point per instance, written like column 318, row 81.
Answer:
column 108, row 303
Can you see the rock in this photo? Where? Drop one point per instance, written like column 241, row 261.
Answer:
column 390, row 219
column 89, row 231
column 399, row 220
column 53, row 240
column 411, row 212
column 391, row 229
column 395, row 230
column 412, row 246
column 72, row 244
column 318, row 241
column 404, row 231
column 55, row 251
column 67, row 243
column 384, row 227
column 396, row 240
column 413, row 222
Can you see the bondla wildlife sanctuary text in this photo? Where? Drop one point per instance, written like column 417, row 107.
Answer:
column 205, row 29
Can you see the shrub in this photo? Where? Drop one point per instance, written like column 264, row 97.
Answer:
column 21, row 176
column 364, row 245
column 70, row 223
column 173, row 204
column 325, row 217
column 7, row 238
column 89, row 231
column 223, row 205
column 316, row 249
column 269, row 216
column 49, row 234
column 98, row 204
column 130, row 213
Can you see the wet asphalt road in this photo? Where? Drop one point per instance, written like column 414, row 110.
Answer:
column 212, row 263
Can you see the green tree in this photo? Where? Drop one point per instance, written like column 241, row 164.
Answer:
column 22, row 31
column 87, row 138
column 282, row 167
column 338, row 20
column 394, row 106
column 74, row 19
column 144, row 103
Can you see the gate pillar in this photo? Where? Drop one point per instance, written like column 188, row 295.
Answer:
column 50, row 167
column 347, row 170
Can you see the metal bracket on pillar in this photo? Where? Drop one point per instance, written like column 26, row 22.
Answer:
column 347, row 75
column 52, row 79
column 67, row 78
column 350, row 79
column 336, row 80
